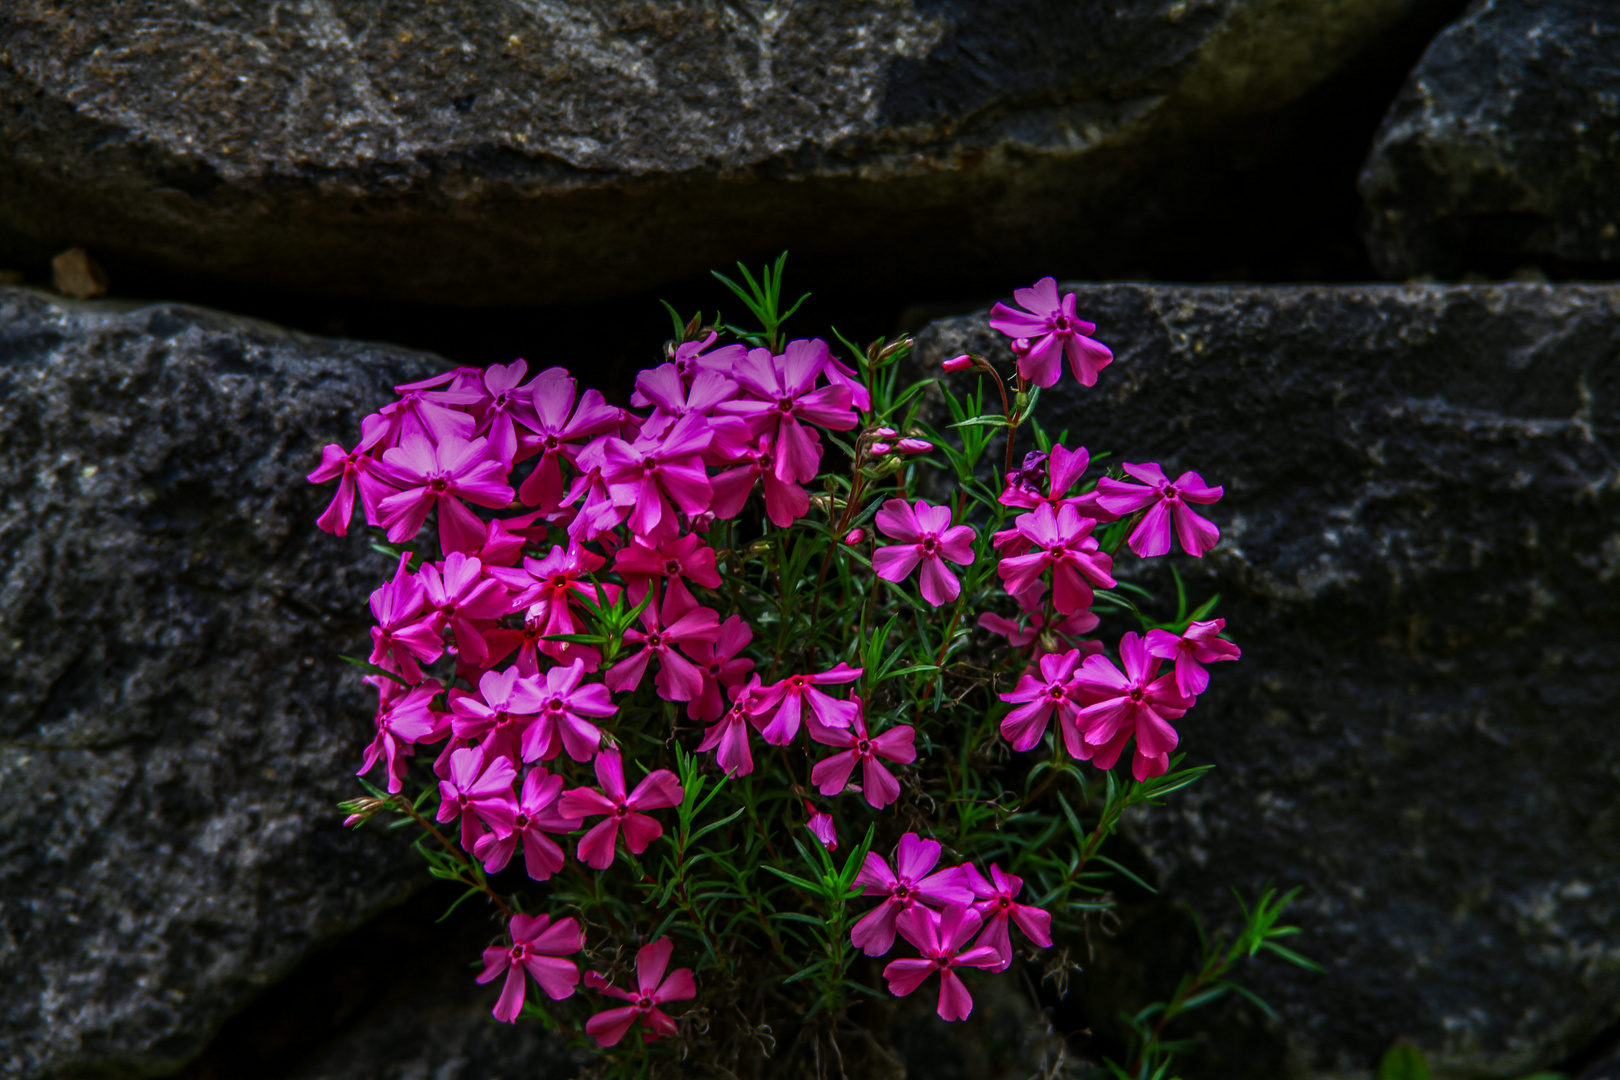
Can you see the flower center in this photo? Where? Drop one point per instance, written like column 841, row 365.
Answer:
column 672, row 567
column 521, row 821
column 439, row 484
column 654, row 641
column 784, row 405
column 902, row 890
column 864, row 746
column 929, row 545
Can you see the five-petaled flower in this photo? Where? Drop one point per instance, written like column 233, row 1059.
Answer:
column 926, row 537
column 442, row 476
column 1064, row 543
column 538, row 946
column 653, row 988
column 1166, row 505
column 536, row 816
column 942, row 939
column 907, row 884
column 1051, row 329
column 997, row 904
column 478, row 791
column 1130, row 703
column 1201, row 643
column 659, row 790
column 1037, row 696
column 878, row 784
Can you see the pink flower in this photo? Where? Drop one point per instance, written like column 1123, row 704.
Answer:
column 749, row 703
column 1063, row 469
column 563, row 704
column 1167, row 504
column 796, row 691
column 1132, row 703
column 878, row 784
column 841, row 374
column 821, row 826
column 1038, row 697
column 783, row 402
column 1059, row 638
column 958, row 363
column 551, row 395
column 926, row 537
column 536, row 815
column 1065, row 544
column 434, row 415
column 351, row 469
column 441, row 476
column 499, row 713
column 915, row 857
column 997, row 906
column 548, row 587
column 460, row 594
column 678, row 679
column 537, row 945
column 855, row 536
column 1052, row 329
column 660, row 789
column 404, row 633
column 652, row 990
column 785, row 503
column 692, row 357
column 478, row 792
column 942, row 939
column 403, row 718
column 720, row 664
column 674, row 559
column 914, row 446
column 505, row 402
column 673, row 396
column 1198, row 645
column 651, row 474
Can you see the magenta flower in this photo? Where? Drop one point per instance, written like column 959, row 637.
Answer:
column 536, row 816
column 551, row 397
column 405, row 632
column 1064, row 543
column 476, row 792
column 563, row 704
column 674, row 559
column 1130, row 703
column 1052, row 329
column 839, row 373
column 749, row 702
column 783, row 402
column 353, row 469
column 659, row 790
column 997, row 906
column 926, row 537
column 537, row 947
column 505, row 402
column 1063, row 469
column 652, row 990
column 672, row 396
column 442, row 476
column 1166, row 505
column 1058, row 638
column 720, row 664
column 1198, row 645
column 434, row 415
column 499, row 713
column 403, row 718
column 459, row 592
column 906, row 885
column 878, row 784
column 785, row 503
column 821, row 826
column 796, row 691
column 958, row 363
column 1038, row 696
column 942, row 939
column 548, row 587
column 678, row 679
column 692, row 357
column 653, row 475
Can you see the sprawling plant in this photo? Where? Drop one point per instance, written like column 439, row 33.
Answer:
column 767, row 738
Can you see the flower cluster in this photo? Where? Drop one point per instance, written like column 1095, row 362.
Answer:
column 566, row 603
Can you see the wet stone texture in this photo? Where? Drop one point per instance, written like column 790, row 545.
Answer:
column 504, row 152
column 1421, row 560
column 1503, row 151
column 174, row 727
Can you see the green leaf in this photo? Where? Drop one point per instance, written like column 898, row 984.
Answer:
column 1403, row 1062
column 1106, row 861
column 807, row 886
column 375, row 670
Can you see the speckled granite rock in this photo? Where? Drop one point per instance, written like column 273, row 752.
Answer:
column 1421, row 559
column 1503, row 151
column 496, row 151
column 175, row 729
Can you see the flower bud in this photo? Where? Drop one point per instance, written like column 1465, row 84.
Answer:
column 855, row 536
column 883, row 433
column 958, row 363
column 914, row 446
column 880, row 448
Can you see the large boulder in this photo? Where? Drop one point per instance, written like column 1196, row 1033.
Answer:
column 174, row 726
column 1421, row 561
column 496, row 151
column 1503, row 151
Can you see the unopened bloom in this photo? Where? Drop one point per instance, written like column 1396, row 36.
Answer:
column 926, row 537
column 997, row 905
column 536, row 816
column 1167, row 506
column 878, row 784
column 1052, row 329
column 1038, row 696
column 907, row 884
column 1130, row 703
column 821, row 826
column 1198, row 645
column 476, row 791
column 623, row 812
column 914, row 446
column 855, row 536
column 562, row 706
column 1064, row 543
column 942, row 939
column 442, row 476
column 652, row 990
column 797, row 691
column 538, row 944
column 662, row 629
column 958, row 363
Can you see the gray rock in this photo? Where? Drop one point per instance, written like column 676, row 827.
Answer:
column 1421, row 560
column 1503, row 151
column 494, row 151
column 175, row 726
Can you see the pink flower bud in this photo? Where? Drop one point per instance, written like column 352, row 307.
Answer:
column 822, row 825
column 1020, row 346
column 881, row 448
column 855, row 536
column 958, row 363
column 914, row 446
column 884, row 433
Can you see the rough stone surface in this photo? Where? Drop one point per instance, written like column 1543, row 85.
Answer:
column 520, row 151
column 1421, row 560
column 175, row 727
column 1503, row 151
